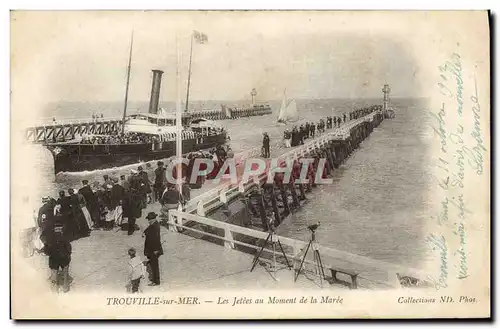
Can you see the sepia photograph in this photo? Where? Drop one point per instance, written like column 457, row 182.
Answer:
column 250, row 164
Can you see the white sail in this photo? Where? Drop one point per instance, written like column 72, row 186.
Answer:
column 291, row 111
column 288, row 111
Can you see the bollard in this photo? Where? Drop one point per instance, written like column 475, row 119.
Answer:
column 171, row 222
column 284, row 197
column 223, row 196
column 228, row 238
column 241, row 187
column 295, row 197
column 200, row 209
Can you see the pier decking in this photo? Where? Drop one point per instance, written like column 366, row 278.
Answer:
column 195, row 220
column 192, row 260
column 205, row 248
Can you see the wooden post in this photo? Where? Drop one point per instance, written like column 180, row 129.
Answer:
column 241, row 187
column 274, row 204
column 200, row 209
column 302, row 192
column 251, row 208
column 171, row 222
column 228, row 235
column 284, row 196
column 295, row 197
column 262, row 210
column 223, row 196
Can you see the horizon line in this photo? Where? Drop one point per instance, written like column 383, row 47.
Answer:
column 244, row 100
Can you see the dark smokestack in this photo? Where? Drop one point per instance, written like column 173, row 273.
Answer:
column 155, row 91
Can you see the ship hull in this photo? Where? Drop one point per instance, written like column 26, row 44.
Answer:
column 88, row 157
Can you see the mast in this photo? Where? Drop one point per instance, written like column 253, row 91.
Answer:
column 284, row 105
column 128, row 82
column 178, row 120
column 189, row 73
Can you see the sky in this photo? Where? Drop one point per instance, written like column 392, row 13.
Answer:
column 82, row 56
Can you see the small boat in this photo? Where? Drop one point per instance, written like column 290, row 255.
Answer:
column 146, row 137
column 390, row 114
column 288, row 111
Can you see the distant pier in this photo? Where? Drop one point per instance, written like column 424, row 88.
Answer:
column 212, row 216
column 60, row 131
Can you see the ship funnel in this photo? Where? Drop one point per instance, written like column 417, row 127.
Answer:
column 155, row 91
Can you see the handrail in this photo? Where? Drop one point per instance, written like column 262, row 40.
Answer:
column 178, row 219
column 341, row 132
column 50, row 123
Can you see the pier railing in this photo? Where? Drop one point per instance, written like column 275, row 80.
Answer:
column 375, row 272
column 221, row 194
column 49, row 122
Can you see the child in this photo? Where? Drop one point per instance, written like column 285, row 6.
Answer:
column 137, row 271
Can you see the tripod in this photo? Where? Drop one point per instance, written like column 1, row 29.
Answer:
column 273, row 239
column 316, row 257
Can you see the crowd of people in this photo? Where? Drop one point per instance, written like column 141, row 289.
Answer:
column 116, row 202
column 105, row 205
column 120, row 201
column 141, row 138
column 97, row 206
column 126, row 138
column 297, row 135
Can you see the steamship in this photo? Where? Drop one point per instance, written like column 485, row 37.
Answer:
column 144, row 137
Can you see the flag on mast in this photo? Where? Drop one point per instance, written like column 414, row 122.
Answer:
column 200, row 38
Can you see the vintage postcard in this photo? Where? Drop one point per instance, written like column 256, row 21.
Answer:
column 250, row 164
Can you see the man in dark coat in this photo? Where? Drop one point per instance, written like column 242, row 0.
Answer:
column 135, row 181
column 302, row 134
column 145, row 185
column 134, row 201
column 46, row 218
column 124, row 182
column 131, row 210
column 58, row 248
column 221, row 153
column 295, row 136
column 106, row 181
column 91, row 201
column 46, row 212
column 64, row 215
column 78, row 217
column 266, row 145
column 117, row 196
column 65, row 203
column 152, row 247
column 160, row 179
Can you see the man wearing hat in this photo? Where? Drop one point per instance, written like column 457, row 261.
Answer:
column 266, row 145
column 145, row 185
column 106, row 181
column 91, row 201
column 152, row 247
column 134, row 200
column 141, row 182
column 160, row 178
column 46, row 211
column 124, row 182
column 58, row 248
column 117, row 196
column 77, row 215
